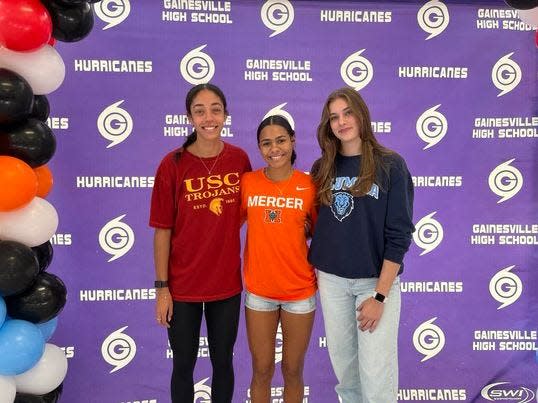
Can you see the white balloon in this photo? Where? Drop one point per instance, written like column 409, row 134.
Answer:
column 30, row 225
column 529, row 17
column 44, row 68
column 46, row 375
column 7, row 389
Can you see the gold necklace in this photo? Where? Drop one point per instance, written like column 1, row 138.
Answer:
column 214, row 162
column 280, row 189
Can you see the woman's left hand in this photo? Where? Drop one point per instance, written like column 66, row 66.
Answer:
column 369, row 314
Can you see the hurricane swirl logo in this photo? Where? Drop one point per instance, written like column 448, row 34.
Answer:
column 113, row 12
column 428, row 339
column 428, row 234
column 506, row 74
column 197, row 67
column 116, row 238
column 357, row 71
column 505, row 287
column 202, row 392
column 277, row 110
column 505, row 181
column 115, row 124
column 433, row 18
column 431, row 126
column 277, row 15
column 118, row 349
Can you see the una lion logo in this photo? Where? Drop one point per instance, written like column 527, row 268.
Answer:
column 216, row 205
column 342, row 205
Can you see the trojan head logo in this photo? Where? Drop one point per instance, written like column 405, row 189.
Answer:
column 357, row 71
column 197, row 67
column 113, row 12
column 433, row 18
column 277, row 15
column 431, row 126
column 505, row 181
column 277, row 110
column 342, row 205
column 428, row 234
column 116, row 238
column 506, row 74
column 505, row 287
column 494, row 391
column 273, row 216
column 215, row 206
column 428, row 339
column 115, row 124
column 118, row 349
column 202, row 392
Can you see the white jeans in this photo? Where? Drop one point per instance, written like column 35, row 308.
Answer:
column 366, row 364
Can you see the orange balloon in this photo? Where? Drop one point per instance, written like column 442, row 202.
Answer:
column 44, row 180
column 18, row 183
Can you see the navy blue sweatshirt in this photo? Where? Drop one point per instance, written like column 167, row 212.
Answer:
column 354, row 235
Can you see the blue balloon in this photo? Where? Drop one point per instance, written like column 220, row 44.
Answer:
column 21, row 346
column 2, row 311
column 48, row 328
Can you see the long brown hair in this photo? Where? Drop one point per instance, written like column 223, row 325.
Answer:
column 373, row 153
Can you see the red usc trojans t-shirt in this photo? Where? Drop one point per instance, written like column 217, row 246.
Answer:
column 203, row 211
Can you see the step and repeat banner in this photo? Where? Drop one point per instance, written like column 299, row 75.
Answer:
column 451, row 86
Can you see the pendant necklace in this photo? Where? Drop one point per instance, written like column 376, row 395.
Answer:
column 209, row 170
column 280, row 189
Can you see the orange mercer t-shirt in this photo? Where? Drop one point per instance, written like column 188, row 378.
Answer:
column 275, row 261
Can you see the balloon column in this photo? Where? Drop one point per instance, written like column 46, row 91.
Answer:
column 528, row 13
column 31, row 370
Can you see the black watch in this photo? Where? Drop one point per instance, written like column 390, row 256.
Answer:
column 161, row 284
column 379, row 297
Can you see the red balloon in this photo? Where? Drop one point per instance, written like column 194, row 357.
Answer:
column 52, row 41
column 25, row 25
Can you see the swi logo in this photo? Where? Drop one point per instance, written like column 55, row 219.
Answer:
column 428, row 234
column 429, row 339
column 118, row 349
column 113, row 12
column 357, row 71
column 197, row 67
column 115, row 124
column 278, row 344
column 505, row 181
column 431, row 127
column 202, row 392
column 494, row 391
column 116, row 238
column 277, row 15
column 506, row 74
column 433, row 18
column 277, row 110
column 505, row 287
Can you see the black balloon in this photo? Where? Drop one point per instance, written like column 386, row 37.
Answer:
column 16, row 97
column 522, row 4
column 18, row 267
column 44, row 254
column 41, row 108
column 31, row 141
column 41, row 302
column 70, row 23
column 51, row 397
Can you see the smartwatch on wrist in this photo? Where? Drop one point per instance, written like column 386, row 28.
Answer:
column 379, row 297
column 161, row 284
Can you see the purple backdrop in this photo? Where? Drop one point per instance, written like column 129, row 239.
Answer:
column 452, row 87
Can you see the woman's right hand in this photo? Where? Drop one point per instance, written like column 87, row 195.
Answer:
column 164, row 307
